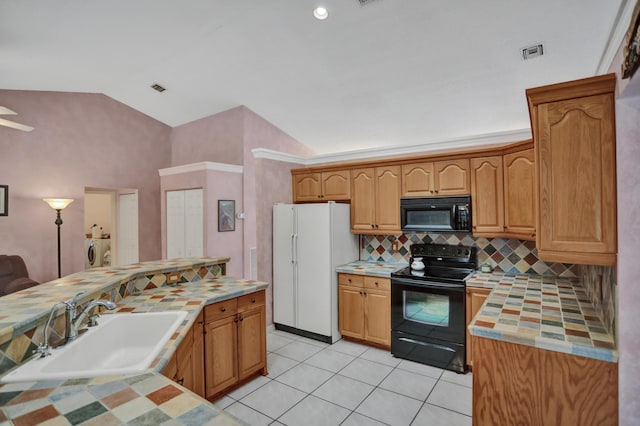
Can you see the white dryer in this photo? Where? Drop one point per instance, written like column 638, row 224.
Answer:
column 95, row 248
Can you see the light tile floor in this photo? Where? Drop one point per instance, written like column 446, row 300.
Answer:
column 313, row 383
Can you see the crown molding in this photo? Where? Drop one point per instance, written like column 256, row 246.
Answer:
column 616, row 36
column 367, row 154
column 200, row 167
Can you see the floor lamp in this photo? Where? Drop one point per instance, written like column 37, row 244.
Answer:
column 58, row 204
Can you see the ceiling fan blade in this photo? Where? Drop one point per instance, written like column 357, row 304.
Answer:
column 7, row 111
column 14, row 125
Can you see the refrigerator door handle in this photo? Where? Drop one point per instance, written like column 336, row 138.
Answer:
column 291, row 248
column 295, row 249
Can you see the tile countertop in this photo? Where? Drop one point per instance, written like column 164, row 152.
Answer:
column 144, row 398
column 377, row 269
column 550, row 313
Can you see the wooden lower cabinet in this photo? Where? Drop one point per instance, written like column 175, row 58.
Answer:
column 475, row 299
column 364, row 308
column 187, row 365
column 522, row 385
column 235, row 342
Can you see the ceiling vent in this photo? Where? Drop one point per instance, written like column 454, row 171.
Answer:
column 158, row 88
column 366, row 2
column 532, row 52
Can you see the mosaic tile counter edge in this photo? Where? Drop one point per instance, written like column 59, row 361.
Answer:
column 377, row 269
column 551, row 313
column 151, row 396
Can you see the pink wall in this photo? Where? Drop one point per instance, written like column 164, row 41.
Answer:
column 217, row 138
column 80, row 140
column 628, row 271
column 224, row 186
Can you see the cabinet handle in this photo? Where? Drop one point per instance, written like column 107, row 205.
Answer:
column 360, row 293
column 504, row 227
column 235, row 319
column 372, row 225
column 376, row 283
column 349, row 279
column 533, row 234
column 431, row 191
column 223, row 309
column 180, row 381
column 241, row 318
column 253, row 300
column 319, row 196
column 436, row 191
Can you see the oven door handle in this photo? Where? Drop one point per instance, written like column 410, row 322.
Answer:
column 427, row 284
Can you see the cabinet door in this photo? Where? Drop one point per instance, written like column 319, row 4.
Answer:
column 336, row 185
column 417, row 180
column 351, row 311
column 198, row 356
column 193, row 223
column 475, row 299
column 307, row 187
column 487, row 195
column 221, row 342
column 185, row 371
column 251, row 341
column 387, row 204
column 452, row 177
column 363, row 200
column 519, row 194
column 378, row 316
column 577, row 187
column 175, row 224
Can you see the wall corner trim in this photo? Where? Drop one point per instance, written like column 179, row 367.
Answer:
column 200, row 167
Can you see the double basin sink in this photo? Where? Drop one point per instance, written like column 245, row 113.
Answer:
column 121, row 343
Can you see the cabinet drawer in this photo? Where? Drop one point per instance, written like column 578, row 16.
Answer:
column 377, row 283
column 220, row 310
column 252, row 300
column 350, row 279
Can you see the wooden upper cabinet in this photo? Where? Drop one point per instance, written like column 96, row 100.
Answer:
column 452, row 177
column 307, row 187
column 388, row 199
column 375, row 201
column 519, row 194
column 449, row 177
column 363, row 200
column 417, row 180
column 322, row 186
column 487, row 197
column 574, row 134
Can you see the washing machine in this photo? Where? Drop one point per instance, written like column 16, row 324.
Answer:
column 95, row 248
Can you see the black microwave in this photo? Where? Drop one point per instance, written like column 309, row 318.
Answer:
column 436, row 214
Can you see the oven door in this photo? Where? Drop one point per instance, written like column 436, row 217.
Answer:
column 428, row 322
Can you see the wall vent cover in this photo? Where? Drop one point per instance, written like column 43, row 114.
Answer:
column 531, row 52
column 158, row 88
column 366, row 2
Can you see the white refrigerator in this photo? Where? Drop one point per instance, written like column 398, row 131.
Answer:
column 309, row 241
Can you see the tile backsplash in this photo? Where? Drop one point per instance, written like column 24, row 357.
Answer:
column 504, row 255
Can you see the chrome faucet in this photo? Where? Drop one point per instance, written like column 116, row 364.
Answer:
column 86, row 311
column 44, row 349
column 70, row 314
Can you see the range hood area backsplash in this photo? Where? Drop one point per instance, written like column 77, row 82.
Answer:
column 504, row 255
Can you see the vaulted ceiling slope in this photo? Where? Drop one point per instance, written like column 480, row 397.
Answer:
column 390, row 73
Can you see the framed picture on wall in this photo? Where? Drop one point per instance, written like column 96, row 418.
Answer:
column 226, row 215
column 4, row 200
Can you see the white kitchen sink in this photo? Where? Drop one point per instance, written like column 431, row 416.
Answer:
column 124, row 343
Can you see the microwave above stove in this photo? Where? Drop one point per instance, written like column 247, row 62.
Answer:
column 436, row 214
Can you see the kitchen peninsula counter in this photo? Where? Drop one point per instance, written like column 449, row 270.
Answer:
column 551, row 313
column 148, row 397
column 376, row 269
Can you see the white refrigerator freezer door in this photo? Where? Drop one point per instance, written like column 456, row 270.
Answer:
column 283, row 266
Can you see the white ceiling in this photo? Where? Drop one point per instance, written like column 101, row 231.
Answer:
column 391, row 73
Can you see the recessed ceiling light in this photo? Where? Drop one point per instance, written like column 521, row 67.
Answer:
column 321, row 13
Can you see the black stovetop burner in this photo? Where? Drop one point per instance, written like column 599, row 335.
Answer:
column 442, row 262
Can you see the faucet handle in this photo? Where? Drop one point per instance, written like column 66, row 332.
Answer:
column 74, row 299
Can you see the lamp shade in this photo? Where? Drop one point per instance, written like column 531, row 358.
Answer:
column 58, row 203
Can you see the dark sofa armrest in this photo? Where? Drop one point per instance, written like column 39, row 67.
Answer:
column 18, row 284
